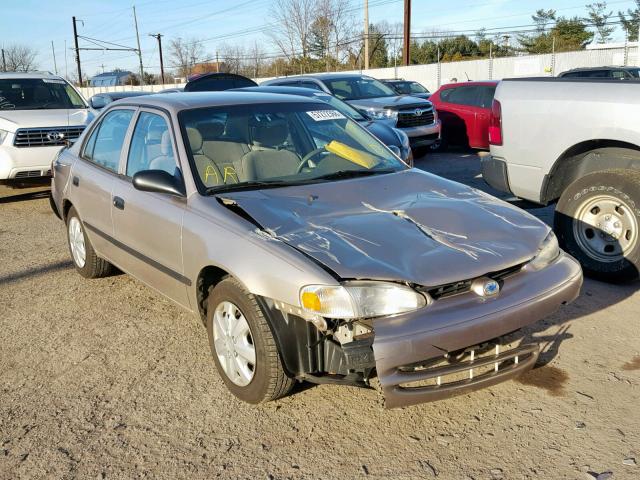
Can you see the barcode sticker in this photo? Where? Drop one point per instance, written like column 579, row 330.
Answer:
column 320, row 115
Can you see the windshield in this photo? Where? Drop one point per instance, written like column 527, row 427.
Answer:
column 341, row 106
column 259, row 145
column 38, row 94
column 410, row 87
column 634, row 72
column 356, row 88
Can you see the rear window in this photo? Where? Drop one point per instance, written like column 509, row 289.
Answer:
column 217, row 83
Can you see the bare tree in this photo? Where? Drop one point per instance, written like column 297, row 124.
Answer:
column 185, row 54
column 233, row 58
column 20, row 58
column 292, row 21
column 255, row 59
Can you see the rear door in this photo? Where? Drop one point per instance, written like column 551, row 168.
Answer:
column 458, row 107
column 148, row 225
column 93, row 176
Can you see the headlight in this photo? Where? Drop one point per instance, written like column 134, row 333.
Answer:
column 547, row 253
column 382, row 114
column 404, row 139
column 3, row 135
column 360, row 299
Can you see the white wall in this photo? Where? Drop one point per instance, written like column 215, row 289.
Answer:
column 434, row 75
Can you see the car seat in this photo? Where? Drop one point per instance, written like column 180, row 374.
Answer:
column 207, row 169
column 267, row 159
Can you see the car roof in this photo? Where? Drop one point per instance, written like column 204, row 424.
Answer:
column 36, row 75
column 323, row 76
column 588, row 69
column 470, row 82
column 189, row 100
column 124, row 94
column 300, row 91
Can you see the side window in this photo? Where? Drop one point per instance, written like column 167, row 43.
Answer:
column 463, row 96
column 619, row 74
column 313, row 85
column 151, row 146
column 485, row 97
column 105, row 144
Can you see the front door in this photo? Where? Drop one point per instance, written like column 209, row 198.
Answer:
column 92, row 179
column 149, row 225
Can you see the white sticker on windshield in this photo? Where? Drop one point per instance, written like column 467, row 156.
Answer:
column 53, row 80
column 320, row 115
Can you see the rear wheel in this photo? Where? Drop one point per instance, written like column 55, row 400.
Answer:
column 597, row 221
column 85, row 260
column 242, row 345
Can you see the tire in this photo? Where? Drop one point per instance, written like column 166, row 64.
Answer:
column 265, row 379
column 93, row 266
column 597, row 220
column 420, row 152
column 439, row 145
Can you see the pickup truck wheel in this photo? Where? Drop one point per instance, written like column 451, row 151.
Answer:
column 597, row 221
column 85, row 260
column 242, row 345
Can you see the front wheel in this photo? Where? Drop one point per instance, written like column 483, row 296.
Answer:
column 597, row 221
column 242, row 345
column 85, row 259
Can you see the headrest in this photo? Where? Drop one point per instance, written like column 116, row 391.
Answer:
column 269, row 134
column 165, row 144
column 211, row 130
column 195, row 139
column 154, row 135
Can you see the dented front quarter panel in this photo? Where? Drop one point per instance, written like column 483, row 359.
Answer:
column 410, row 227
column 215, row 236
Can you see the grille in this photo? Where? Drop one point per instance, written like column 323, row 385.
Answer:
column 410, row 119
column 464, row 286
column 31, row 174
column 46, row 137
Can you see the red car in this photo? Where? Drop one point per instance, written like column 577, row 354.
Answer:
column 464, row 109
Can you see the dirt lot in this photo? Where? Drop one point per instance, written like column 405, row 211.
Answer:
column 106, row 379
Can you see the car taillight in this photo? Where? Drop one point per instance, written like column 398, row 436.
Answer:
column 495, row 124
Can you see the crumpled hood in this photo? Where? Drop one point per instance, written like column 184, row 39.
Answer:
column 396, row 103
column 409, row 226
column 11, row 120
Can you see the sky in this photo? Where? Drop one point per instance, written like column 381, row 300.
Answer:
column 38, row 23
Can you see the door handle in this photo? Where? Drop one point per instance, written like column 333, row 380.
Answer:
column 75, row 181
column 118, row 203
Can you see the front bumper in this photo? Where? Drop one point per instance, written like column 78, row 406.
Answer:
column 458, row 322
column 18, row 164
column 494, row 172
column 423, row 135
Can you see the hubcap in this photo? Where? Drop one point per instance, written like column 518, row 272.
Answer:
column 76, row 242
column 233, row 343
column 605, row 228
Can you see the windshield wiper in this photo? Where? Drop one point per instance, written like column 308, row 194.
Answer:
column 343, row 174
column 234, row 187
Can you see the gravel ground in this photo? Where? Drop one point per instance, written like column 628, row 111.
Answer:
column 106, row 379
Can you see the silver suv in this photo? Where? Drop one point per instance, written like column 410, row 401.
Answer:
column 39, row 114
column 416, row 117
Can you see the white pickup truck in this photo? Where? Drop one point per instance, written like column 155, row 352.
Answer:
column 575, row 142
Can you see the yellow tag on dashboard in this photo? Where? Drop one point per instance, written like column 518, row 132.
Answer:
column 354, row 155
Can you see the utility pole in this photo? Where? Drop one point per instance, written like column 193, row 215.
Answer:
column 75, row 39
column 218, row 63
column 159, row 38
column 55, row 65
column 366, row 34
column 406, row 51
column 135, row 22
column 4, row 62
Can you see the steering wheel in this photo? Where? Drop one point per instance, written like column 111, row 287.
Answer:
column 308, row 157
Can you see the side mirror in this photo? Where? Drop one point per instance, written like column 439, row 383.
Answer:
column 158, row 181
column 395, row 150
column 97, row 102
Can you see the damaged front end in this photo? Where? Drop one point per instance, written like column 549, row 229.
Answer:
column 462, row 341
column 482, row 268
